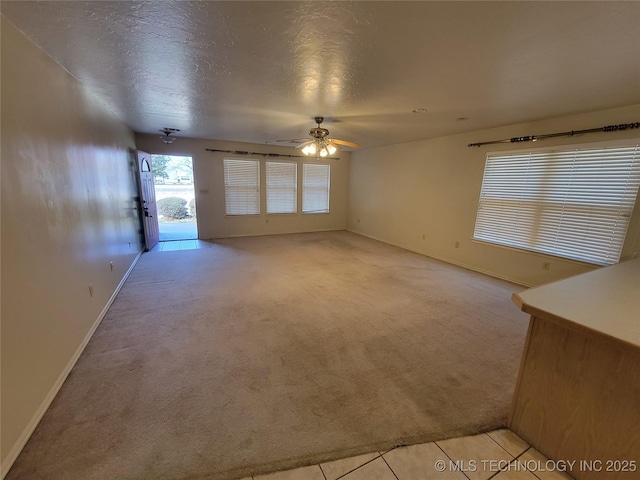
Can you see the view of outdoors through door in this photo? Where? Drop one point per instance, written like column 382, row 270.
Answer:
column 175, row 197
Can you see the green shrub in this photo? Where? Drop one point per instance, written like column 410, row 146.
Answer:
column 172, row 207
column 192, row 207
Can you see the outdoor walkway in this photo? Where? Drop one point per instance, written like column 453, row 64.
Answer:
column 178, row 231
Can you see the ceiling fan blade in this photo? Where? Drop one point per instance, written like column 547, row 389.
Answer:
column 295, row 140
column 345, row 143
column 305, row 143
column 333, row 144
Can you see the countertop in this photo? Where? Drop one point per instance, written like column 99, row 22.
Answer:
column 606, row 301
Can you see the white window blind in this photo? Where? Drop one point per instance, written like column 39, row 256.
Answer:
column 282, row 191
column 315, row 188
column 571, row 203
column 242, row 186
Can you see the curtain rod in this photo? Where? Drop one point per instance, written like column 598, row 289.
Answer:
column 533, row 138
column 242, row 152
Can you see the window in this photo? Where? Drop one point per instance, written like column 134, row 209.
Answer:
column 242, row 186
column 315, row 188
column 573, row 203
column 282, row 191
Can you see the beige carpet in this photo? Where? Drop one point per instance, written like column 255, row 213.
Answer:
column 271, row 352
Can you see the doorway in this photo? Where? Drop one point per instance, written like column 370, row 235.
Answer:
column 175, row 197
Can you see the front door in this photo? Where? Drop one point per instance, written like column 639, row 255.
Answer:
column 148, row 199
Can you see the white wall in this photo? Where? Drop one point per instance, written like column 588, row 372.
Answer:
column 209, row 187
column 68, row 209
column 399, row 193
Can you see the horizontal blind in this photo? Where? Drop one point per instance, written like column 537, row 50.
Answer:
column 242, row 186
column 282, row 191
column 571, row 203
column 315, row 188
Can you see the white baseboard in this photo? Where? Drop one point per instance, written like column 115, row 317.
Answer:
column 242, row 235
column 443, row 259
column 33, row 423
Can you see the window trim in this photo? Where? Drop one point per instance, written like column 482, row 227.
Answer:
column 328, row 211
column 224, row 184
column 562, row 149
column 296, row 188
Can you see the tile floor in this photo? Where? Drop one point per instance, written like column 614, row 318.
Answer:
column 499, row 455
column 167, row 246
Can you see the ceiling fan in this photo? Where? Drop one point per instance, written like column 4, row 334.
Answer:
column 167, row 135
column 320, row 144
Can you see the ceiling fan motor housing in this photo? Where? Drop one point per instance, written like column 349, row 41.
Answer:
column 318, row 132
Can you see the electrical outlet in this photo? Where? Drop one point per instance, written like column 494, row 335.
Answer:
column 457, row 244
column 91, row 290
column 546, row 265
column 267, row 220
column 357, row 220
column 424, row 237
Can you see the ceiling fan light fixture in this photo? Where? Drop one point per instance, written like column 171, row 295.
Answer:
column 320, row 144
column 167, row 138
column 310, row 149
column 321, row 147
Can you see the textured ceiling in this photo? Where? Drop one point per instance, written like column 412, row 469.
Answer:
column 260, row 71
